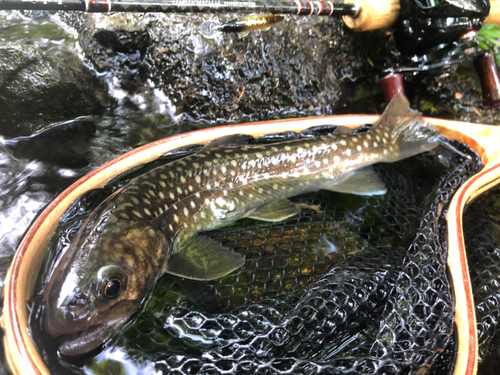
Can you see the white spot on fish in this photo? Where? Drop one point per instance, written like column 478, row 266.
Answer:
column 214, row 171
column 241, row 192
column 317, row 164
column 147, row 212
column 179, row 190
column 365, row 144
column 197, row 195
column 183, row 179
column 171, row 195
column 336, row 159
column 176, row 218
column 186, row 211
column 234, row 163
column 343, row 142
column 170, row 227
column 185, row 225
column 358, row 148
column 202, row 214
column 163, row 184
column 326, row 161
column 375, row 144
column 223, row 169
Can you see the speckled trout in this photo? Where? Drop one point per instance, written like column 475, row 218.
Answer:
column 155, row 224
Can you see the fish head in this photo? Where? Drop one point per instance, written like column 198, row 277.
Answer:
column 100, row 282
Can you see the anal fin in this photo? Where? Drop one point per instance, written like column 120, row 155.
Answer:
column 200, row 258
column 364, row 181
column 279, row 210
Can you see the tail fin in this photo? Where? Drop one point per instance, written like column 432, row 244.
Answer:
column 407, row 133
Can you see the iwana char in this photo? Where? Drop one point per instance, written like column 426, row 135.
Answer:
column 153, row 225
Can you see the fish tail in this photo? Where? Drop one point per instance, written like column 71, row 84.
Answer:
column 408, row 134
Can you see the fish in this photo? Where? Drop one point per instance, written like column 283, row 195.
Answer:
column 211, row 29
column 154, row 224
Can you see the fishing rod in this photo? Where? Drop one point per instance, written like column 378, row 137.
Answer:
column 360, row 15
column 323, row 8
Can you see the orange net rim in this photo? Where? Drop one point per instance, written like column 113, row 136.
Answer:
column 21, row 354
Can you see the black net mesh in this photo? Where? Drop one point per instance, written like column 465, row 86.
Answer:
column 482, row 239
column 351, row 285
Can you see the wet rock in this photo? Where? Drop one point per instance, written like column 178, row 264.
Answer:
column 37, row 89
column 301, row 67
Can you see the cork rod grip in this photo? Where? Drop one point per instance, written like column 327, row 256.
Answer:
column 494, row 16
column 373, row 14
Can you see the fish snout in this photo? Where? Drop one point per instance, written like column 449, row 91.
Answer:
column 79, row 301
column 72, row 316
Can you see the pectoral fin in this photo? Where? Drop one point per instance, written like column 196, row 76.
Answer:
column 364, row 181
column 200, row 258
column 277, row 211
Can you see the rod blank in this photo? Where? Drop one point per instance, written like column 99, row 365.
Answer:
column 321, row 8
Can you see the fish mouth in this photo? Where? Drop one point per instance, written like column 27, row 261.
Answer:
column 85, row 341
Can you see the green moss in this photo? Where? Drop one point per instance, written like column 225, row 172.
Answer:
column 489, row 39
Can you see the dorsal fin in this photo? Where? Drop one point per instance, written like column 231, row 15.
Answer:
column 228, row 140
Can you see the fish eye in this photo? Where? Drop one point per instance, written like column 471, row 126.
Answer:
column 112, row 288
column 111, row 280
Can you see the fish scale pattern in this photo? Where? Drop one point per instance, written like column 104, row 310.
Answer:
column 381, row 310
